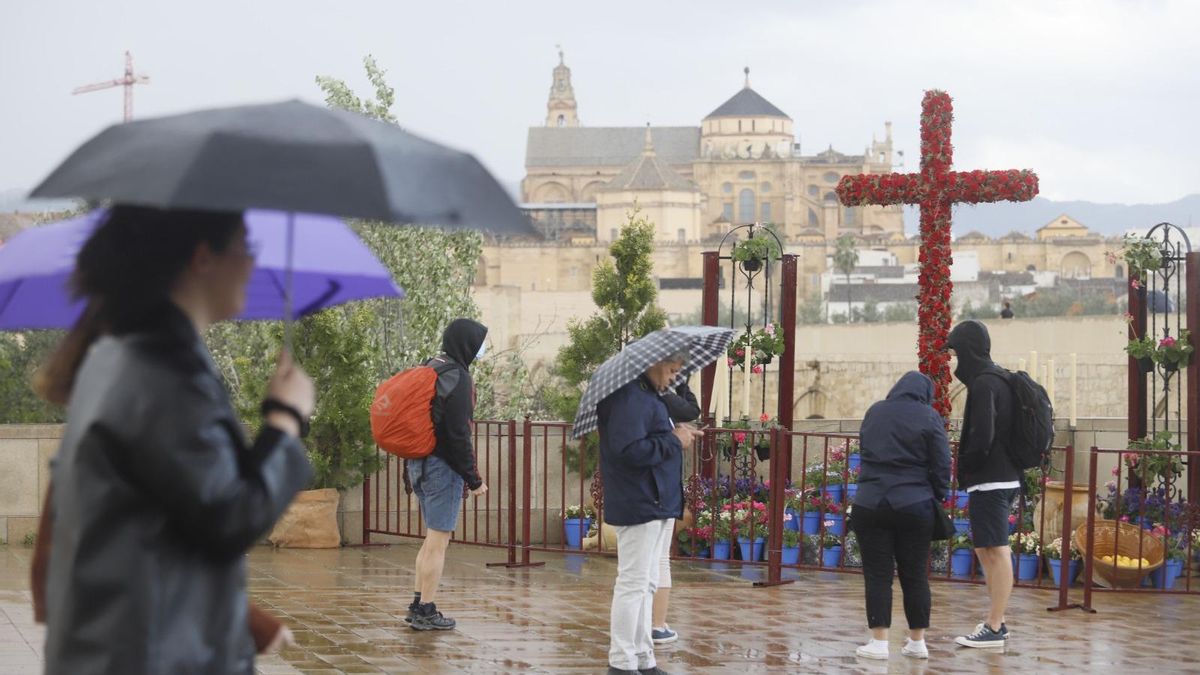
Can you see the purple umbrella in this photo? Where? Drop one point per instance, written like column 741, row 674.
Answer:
column 328, row 266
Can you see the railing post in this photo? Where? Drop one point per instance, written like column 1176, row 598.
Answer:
column 775, row 519
column 1068, row 532
column 1088, row 567
column 366, row 510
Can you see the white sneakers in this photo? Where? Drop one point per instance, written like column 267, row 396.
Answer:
column 915, row 649
column 875, row 649
column 878, row 650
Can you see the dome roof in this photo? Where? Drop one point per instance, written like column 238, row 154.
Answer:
column 747, row 103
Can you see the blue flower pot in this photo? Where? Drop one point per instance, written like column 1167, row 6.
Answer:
column 830, row 557
column 961, row 498
column 834, row 493
column 575, row 529
column 854, row 461
column 1164, row 577
column 837, row 525
column 790, row 555
column 1072, row 570
column 851, row 490
column 962, row 525
column 751, row 552
column 960, row 562
column 721, row 550
column 811, row 522
column 792, row 523
column 1025, row 566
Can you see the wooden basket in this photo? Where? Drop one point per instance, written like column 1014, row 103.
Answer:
column 1133, row 541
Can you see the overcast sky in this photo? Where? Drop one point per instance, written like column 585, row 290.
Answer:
column 1099, row 97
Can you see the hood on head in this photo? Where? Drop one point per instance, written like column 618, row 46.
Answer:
column 462, row 339
column 914, row 385
column 972, row 347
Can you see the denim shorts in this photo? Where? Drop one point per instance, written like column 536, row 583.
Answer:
column 988, row 512
column 439, row 489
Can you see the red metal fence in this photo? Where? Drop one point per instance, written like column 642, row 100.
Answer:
column 778, row 499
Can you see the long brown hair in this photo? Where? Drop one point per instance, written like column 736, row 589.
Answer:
column 124, row 271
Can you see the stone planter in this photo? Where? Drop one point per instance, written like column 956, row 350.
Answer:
column 1052, row 504
column 309, row 522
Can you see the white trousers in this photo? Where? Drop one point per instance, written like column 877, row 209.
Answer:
column 639, row 548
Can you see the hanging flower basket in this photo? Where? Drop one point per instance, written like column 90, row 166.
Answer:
column 763, row 344
column 752, row 252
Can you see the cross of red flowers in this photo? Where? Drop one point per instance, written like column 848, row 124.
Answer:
column 936, row 189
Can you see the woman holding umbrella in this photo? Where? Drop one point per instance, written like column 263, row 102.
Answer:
column 157, row 494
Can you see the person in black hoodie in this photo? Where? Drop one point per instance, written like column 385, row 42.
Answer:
column 438, row 479
column 905, row 466
column 986, row 472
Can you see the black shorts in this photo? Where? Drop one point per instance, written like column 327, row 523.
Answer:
column 988, row 512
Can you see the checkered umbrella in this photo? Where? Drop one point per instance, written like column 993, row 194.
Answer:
column 704, row 344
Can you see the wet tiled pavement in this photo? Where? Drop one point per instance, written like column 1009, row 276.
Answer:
column 347, row 607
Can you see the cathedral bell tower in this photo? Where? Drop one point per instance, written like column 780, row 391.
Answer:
column 561, row 110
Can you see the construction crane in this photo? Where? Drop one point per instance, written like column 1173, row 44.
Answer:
column 127, row 81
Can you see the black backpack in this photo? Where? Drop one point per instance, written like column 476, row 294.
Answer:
column 1033, row 420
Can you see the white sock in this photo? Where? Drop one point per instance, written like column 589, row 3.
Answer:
column 880, row 644
column 915, row 643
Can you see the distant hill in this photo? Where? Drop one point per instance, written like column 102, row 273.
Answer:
column 13, row 199
column 996, row 220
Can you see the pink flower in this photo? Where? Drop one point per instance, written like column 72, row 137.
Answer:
column 1134, row 283
column 739, row 436
column 741, row 351
column 1124, row 519
column 769, row 329
column 764, row 418
column 1130, row 458
column 1012, row 519
column 1167, row 342
column 731, row 363
column 1116, row 471
column 1110, row 257
column 756, row 369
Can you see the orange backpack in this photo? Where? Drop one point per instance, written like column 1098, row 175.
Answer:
column 402, row 412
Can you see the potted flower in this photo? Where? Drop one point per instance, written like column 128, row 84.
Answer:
column 793, row 508
column 1175, row 553
column 750, row 523
column 854, row 456
column 834, row 519
column 1154, row 464
column 697, row 539
column 831, row 547
column 577, row 521
column 1173, row 353
column 763, row 345
column 1141, row 256
column 790, row 554
column 1054, row 555
column 751, row 252
column 1025, row 547
column 723, row 533
column 962, row 523
column 1142, row 350
column 961, row 556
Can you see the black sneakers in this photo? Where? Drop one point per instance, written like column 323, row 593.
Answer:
column 427, row 617
column 412, row 612
column 984, row 637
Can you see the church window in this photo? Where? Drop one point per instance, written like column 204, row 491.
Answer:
column 727, row 211
column 1010, row 256
column 813, row 220
column 831, row 177
column 727, row 187
column 849, row 216
column 1120, row 272
column 830, row 197
column 746, row 175
column 813, row 190
column 765, row 187
column 746, row 206
column 562, row 120
column 682, row 234
column 765, row 212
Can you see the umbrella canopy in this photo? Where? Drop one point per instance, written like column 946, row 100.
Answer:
column 704, row 345
column 289, row 156
column 330, row 266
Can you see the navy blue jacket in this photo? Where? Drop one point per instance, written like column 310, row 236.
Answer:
column 641, row 461
column 905, row 452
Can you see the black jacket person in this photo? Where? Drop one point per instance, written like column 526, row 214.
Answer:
column 987, row 423
column 454, row 405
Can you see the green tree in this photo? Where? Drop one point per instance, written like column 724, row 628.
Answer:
column 21, row 354
column 845, row 259
column 811, row 311
column 626, row 296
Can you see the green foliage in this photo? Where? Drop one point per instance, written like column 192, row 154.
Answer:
column 339, row 95
column 1063, row 301
column 30, row 538
column 1141, row 348
column 626, row 296
column 760, row 247
column 1141, row 256
column 21, row 354
column 811, row 311
column 845, row 259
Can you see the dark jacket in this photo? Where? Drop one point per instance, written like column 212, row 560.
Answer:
column 681, row 404
column 454, row 405
column 987, row 422
column 905, row 451
column 157, row 496
column 641, row 460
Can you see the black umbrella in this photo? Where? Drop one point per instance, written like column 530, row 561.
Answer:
column 289, row 156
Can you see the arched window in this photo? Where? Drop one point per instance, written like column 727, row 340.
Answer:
column 1120, row 272
column 849, row 216
column 746, row 206
column 562, row 120
column 764, row 212
column 813, row 190
column 745, row 175
column 813, row 220
column 831, row 198
column 831, row 177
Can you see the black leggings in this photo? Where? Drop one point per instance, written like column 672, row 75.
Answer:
column 896, row 539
